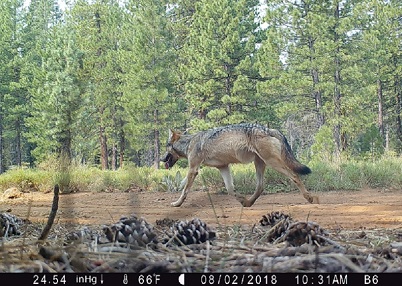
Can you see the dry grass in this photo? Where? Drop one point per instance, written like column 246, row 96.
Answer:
column 236, row 249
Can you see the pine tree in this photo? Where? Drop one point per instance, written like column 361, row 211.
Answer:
column 98, row 27
column 55, row 97
column 13, row 92
column 380, row 51
column 8, row 19
column 311, row 48
column 217, row 62
column 32, row 31
column 149, row 65
column 293, row 61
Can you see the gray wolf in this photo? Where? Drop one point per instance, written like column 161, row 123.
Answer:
column 238, row 143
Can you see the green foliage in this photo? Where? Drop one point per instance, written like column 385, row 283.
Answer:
column 306, row 45
column 55, row 97
column 327, row 176
column 323, row 147
column 217, row 62
column 244, row 179
column 352, row 175
column 369, row 144
column 385, row 172
column 170, row 183
column 26, row 179
column 209, row 179
column 102, row 81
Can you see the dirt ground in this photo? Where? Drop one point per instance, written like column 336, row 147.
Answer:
column 361, row 209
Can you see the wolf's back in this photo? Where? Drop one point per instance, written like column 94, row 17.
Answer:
column 253, row 131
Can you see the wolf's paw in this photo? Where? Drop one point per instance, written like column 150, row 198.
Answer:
column 176, row 204
column 312, row 199
column 242, row 199
column 315, row 200
column 247, row 204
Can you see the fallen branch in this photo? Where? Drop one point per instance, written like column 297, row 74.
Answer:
column 52, row 215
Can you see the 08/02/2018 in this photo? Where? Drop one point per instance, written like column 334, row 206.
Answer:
column 239, row 279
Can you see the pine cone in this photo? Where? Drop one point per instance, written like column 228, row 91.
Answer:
column 273, row 218
column 10, row 224
column 305, row 232
column 191, row 232
column 132, row 230
column 278, row 223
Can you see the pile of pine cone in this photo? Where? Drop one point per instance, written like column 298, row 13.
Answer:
column 10, row 224
column 190, row 232
column 277, row 222
column 132, row 230
column 137, row 232
column 299, row 233
column 282, row 228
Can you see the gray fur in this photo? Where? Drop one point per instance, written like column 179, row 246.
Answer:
column 239, row 143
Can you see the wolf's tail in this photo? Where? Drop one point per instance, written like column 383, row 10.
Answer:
column 291, row 161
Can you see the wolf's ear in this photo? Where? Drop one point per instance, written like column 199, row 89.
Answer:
column 171, row 132
column 173, row 135
column 186, row 131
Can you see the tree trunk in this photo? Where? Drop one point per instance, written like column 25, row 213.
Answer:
column 2, row 165
column 317, row 94
column 380, row 110
column 18, row 152
column 66, row 145
column 102, row 136
column 337, row 92
column 387, row 138
column 65, row 140
column 122, row 145
column 228, row 87
column 156, row 140
column 398, row 107
column 103, row 146
column 114, row 157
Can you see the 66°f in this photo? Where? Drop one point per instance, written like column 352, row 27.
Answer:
column 149, row 279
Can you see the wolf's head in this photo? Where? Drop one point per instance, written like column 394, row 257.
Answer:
column 171, row 156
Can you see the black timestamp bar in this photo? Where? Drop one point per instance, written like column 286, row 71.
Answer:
column 296, row 279
column 201, row 279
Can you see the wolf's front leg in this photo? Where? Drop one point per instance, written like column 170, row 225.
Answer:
column 187, row 182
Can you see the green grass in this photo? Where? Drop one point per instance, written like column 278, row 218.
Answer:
column 383, row 173
column 24, row 178
column 351, row 175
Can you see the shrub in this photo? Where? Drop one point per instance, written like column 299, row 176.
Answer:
column 24, row 179
column 350, row 175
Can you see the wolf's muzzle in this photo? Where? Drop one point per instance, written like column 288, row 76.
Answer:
column 169, row 160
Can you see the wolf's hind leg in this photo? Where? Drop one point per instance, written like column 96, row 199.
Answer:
column 228, row 180
column 298, row 182
column 192, row 173
column 260, row 169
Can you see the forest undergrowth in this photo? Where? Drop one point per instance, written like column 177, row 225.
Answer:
column 385, row 172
